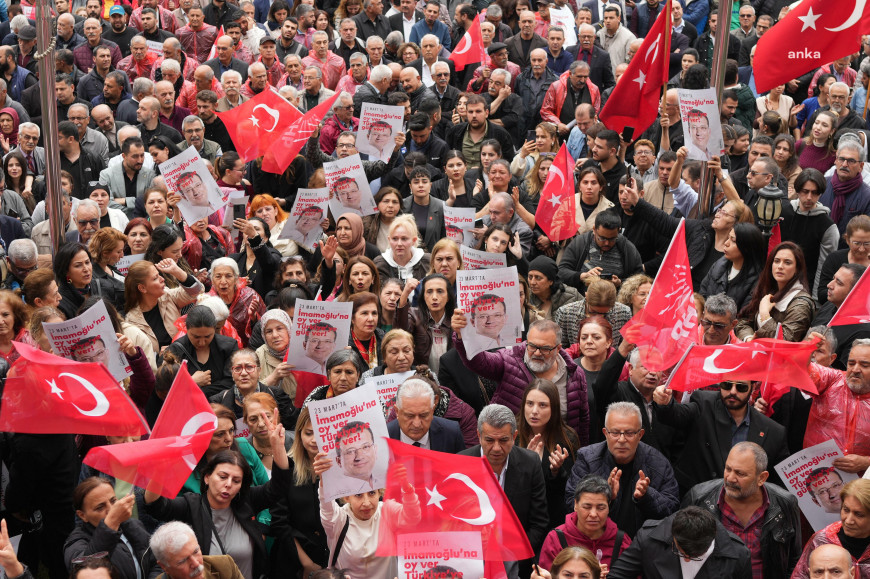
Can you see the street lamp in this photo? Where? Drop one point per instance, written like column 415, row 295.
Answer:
column 768, row 210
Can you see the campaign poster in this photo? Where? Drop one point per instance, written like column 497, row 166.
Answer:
column 700, row 117
column 319, row 329
column 123, row 265
column 811, row 477
column 459, row 221
column 477, row 259
column 565, row 18
column 491, row 302
column 352, row 430
column 348, row 186
column 188, row 175
column 155, row 48
column 450, row 555
column 303, row 225
column 89, row 337
column 378, row 126
column 387, row 386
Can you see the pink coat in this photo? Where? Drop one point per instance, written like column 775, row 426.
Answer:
column 838, row 413
column 552, row 545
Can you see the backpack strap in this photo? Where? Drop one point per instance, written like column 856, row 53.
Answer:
column 562, row 540
column 339, row 543
column 617, row 547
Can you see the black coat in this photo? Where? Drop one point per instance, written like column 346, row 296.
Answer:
column 577, row 252
column 738, row 289
column 468, row 386
column 781, row 543
column 444, row 435
column 72, row 299
column 219, row 352
column 709, row 423
column 297, row 516
column 500, row 134
column 262, row 272
column 286, row 409
column 651, row 556
column 600, row 69
column 87, row 540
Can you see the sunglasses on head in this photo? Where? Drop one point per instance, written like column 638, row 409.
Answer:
column 742, row 387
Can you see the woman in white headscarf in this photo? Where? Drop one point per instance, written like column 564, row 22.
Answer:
column 277, row 326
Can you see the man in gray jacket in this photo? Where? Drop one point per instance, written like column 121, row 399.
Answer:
column 132, row 167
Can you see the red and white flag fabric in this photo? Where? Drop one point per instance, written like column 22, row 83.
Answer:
column 213, row 52
column 457, row 493
column 257, row 123
column 778, row 363
column 668, row 324
column 813, row 33
column 47, row 394
column 636, row 97
column 181, row 436
column 287, row 146
column 855, row 309
column 469, row 49
column 556, row 212
column 306, row 382
column 775, row 238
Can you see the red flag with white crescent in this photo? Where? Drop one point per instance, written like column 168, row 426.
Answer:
column 855, row 309
column 456, row 493
column 668, row 324
column 47, row 394
column 469, row 49
column 813, row 33
column 287, row 146
column 257, row 123
column 180, row 437
column 556, row 212
column 635, row 98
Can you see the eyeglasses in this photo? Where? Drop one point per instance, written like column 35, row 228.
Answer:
column 742, row 387
column 718, row 326
column 353, row 452
column 859, row 244
column 249, row 368
column 682, row 555
column 830, row 491
column 88, row 221
column 602, row 239
column 642, row 152
column 440, row 74
column 617, row 434
column 847, row 160
column 345, row 146
column 85, row 559
column 27, row 138
column 754, row 173
column 543, row 349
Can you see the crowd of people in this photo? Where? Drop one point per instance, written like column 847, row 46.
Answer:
column 609, row 472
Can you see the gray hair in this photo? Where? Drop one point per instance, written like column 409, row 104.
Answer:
column 359, row 56
column 315, row 69
column 86, row 108
column 414, row 388
column 634, row 358
column 229, row 74
column 170, row 538
column 721, row 305
column 578, row 64
column 502, row 196
column 339, row 357
column 125, row 133
column 21, row 20
column 216, row 305
column 374, row 39
column 411, row 70
column 380, row 73
column 341, row 98
column 174, row 43
column 442, row 64
column 142, row 86
column 190, row 119
column 430, row 36
column 757, row 452
column 497, row 416
column 850, row 143
column 494, row 10
column 547, row 326
column 862, row 342
column 2, row 84
column 170, row 65
column 224, row 261
column 22, row 250
column 321, row 33
column 593, row 485
column 501, row 72
column 87, row 204
column 751, row 8
column 288, row 90
column 138, row 39
column 29, row 125
column 258, row 65
column 66, row 17
column 394, row 38
column 865, row 67
column 828, row 333
column 623, row 409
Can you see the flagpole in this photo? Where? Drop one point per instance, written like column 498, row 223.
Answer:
column 677, row 367
column 717, row 80
column 667, row 54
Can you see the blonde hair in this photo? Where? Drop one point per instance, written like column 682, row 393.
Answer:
column 630, row 287
column 859, row 489
column 392, row 336
column 106, row 239
column 407, row 221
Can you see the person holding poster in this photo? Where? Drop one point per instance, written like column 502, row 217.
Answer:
column 492, row 300
column 699, row 133
column 701, row 121
column 348, row 185
column 306, row 230
column 378, row 126
column 90, row 349
column 318, row 329
column 188, row 175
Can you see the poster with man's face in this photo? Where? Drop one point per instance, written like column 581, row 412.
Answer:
column 459, row 221
column 319, row 329
column 701, row 126
column 349, row 190
column 490, row 300
column 351, row 430
column 378, row 127
column 810, row 476
column 309, row 210
column 187, row 174
column 89, row 337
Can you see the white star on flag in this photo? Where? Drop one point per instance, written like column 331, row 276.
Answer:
column 254, row 121
column 55, row 389
column 555, row 200
column 809, row 20
column 435, row 498
column 641, row 79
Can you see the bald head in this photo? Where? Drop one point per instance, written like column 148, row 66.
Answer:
column 830, row 561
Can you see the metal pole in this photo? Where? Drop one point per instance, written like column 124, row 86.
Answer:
column 717, row 79
column 45, row 41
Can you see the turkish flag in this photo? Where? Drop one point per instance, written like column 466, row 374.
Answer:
column 775, row 238
column 855, row 309
column 181, row 436
column 457, row 493
column 668, row 324
column 814, row 33
column 469, row 49
column 257, row 123
column 47, row 394
column 287, row 146
column 556, row 212
column 635, row 98
column 778, row 363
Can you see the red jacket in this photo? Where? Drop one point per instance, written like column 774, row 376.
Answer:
column 552, row 107
column 838, row 413
column 824, row 537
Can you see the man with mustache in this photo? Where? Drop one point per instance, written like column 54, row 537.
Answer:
column 188, row 562
column 745, row 495
column 717, row 421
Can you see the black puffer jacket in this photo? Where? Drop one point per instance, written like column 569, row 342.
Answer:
column 87, row 540
column 738, row 289
column 72, row 299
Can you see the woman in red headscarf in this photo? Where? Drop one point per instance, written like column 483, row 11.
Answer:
column 9, row 122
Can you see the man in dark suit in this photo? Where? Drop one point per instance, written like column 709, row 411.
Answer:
column 374, row 90
column 598, row 59
column 717, row 421
column 225, row 60
column 430, row 48
column 416, row 422
column 406, row 18
column 518, row 52
column 519, row 473
column 762, row 25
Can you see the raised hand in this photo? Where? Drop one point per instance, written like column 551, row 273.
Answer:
column 641, row 487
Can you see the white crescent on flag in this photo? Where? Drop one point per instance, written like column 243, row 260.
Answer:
column 710, row 364
column 276, row 116
column 853, row 18
column 192, row 426
column 487, row 513
column 102, row 402
column 465, row 43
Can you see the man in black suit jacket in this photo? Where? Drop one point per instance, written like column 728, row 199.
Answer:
column 526, row 34
column 600, row 69
column 416, row 422
column 406, row 8
column 717, row 421
column 518, row 471
column 225, row 57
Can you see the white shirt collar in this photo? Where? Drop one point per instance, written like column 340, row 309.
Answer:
column 424, row 441
column 500, row 475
